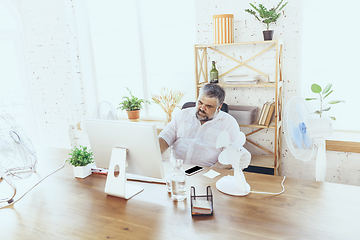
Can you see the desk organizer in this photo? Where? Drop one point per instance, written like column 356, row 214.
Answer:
column 208, row 198
column 244, row 115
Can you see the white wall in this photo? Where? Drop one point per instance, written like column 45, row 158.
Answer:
column 342, row 167
column 56, row 82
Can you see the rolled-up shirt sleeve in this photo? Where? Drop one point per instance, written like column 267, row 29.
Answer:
column 169, row 131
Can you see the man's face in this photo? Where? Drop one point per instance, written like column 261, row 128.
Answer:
column 206, row 108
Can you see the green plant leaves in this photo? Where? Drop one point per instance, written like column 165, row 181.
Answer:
column 315, row 88
column 131, row 104
column 335, row 101
column 323, row 93
column 328, row 94
column 268, row 16
column 80, row 156
column 327, row 88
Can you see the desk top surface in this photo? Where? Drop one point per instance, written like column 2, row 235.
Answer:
column 64, row 207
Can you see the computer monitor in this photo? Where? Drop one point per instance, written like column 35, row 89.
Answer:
column 130, row 147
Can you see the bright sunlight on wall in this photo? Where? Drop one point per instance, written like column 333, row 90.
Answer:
column 330, row 55
column 142, row 45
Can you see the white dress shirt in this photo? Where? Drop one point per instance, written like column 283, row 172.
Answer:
column 195, row 143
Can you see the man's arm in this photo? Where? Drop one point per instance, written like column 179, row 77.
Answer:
column 163, row 145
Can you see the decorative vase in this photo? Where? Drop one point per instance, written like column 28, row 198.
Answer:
column 268, row 35
column 83, row 171
column 168, row 117
column 135, row 114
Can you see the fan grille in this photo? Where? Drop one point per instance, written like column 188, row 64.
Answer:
column 17, row 155
column 297, row 137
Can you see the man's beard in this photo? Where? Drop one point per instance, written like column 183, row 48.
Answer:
column 205, row 118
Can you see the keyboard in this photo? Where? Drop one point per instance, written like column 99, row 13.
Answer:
column 135, row 177
column 131, row 176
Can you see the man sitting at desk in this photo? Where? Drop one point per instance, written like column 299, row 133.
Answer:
column 193, row 132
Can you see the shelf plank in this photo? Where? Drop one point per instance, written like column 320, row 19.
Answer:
column 262, row 161
column 238, row 43
column 255, row 125
column 258, row 85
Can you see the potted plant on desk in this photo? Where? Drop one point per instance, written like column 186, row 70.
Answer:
column 267, row 17
column 81, row 159
column 132, row 105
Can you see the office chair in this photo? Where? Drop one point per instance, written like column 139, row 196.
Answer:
column 224, row 107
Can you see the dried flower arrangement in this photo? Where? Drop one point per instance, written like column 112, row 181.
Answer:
column 168, row 101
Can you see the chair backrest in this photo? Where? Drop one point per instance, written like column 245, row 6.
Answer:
column 224, row 107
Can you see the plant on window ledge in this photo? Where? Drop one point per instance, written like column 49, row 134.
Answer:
column 323, row 93
column 132, row 104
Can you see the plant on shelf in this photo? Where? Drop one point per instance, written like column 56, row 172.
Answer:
column 323, row 93
column 267, row 16
column 132, row 105
column 168, row 101
column 81, row 158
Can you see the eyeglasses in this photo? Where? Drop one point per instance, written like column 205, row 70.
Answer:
column 206, row 106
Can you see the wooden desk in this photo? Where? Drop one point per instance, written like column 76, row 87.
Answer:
column 63, row 207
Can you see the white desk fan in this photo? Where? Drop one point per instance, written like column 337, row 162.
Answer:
column 239, row 159
column 17, row 154
column 305, row 136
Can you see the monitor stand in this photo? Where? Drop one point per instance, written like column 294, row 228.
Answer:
column 117, row 185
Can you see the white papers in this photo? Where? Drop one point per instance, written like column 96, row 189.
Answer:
column 242, row 79
column 211, row 174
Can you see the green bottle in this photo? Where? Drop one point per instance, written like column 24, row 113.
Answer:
column 214, row 74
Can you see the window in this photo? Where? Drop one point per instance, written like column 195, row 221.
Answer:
column 330, row 55
column 14, row 91
column 143, row 45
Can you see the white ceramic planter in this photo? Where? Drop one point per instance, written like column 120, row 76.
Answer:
column 82, row 172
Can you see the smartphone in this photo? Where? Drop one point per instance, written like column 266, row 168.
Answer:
column 193, row 170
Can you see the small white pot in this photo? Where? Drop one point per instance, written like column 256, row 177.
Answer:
column 82, row 172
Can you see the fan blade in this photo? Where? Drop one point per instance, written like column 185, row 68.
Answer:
column 295, row 134
column 222, row 158
column 305, row 136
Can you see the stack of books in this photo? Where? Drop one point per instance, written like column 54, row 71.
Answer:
column 266, row 113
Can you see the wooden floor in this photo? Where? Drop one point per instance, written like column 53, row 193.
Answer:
column 63, row 207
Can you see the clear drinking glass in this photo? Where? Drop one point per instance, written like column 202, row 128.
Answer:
column 178, row 182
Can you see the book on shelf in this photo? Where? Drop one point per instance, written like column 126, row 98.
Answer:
column 261, row 116
column 270, row 114
column 266, row 113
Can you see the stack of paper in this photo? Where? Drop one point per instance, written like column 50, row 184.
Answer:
column 201, row 207
column 241, row 79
